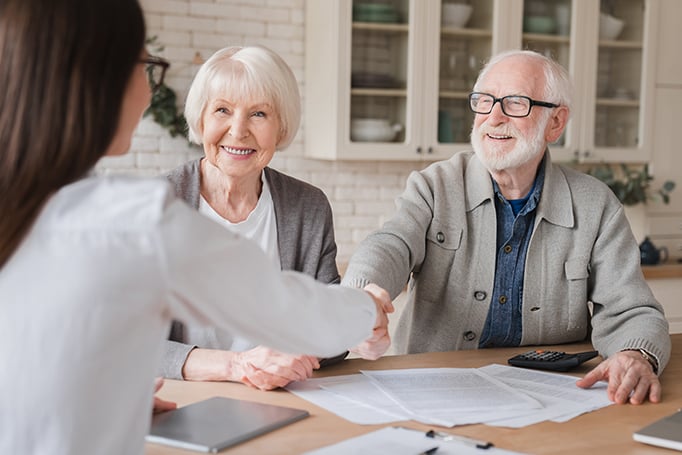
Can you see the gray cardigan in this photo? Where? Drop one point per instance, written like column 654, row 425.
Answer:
column 305, row 237
column 582, row 253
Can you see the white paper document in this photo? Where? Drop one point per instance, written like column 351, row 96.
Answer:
column 496, row 395
column 403, row 441
column 351, row 407
column 562, row 400
column 451, row 396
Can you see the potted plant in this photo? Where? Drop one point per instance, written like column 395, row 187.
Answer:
column 632, row 186
column 163, row 106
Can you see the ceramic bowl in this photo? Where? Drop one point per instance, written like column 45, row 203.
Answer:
column 373, row 130
column 456, row 14
column 539, row 24
column 609, row 26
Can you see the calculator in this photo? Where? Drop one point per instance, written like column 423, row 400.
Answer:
column 551, row 360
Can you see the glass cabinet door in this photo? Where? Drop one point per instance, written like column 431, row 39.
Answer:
column 547, row 29
column 380, row 73
column 619, row 74
column 466, row 30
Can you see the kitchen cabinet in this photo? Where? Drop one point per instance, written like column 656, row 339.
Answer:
column 364, row 68
column 412, row 71
column 614, row 77
column 669, row 65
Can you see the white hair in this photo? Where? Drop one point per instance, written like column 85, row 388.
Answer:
column 246, row 73
column 558, row 85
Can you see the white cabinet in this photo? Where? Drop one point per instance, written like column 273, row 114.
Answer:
column 400, row 65
column 614, row 78
column 669, row 65
column 365, row 66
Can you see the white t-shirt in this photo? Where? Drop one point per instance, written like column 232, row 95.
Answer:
column 261, row 227
column 87, row 299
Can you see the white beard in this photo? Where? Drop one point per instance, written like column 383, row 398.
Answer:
column 495, row 158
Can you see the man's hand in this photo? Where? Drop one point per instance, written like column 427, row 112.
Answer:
column 376, row 345
column 159, row 404
column 630, row 376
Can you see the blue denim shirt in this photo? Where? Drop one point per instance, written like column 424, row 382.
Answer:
column 514, row 227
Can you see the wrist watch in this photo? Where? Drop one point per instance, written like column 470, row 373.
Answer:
column 648, row 357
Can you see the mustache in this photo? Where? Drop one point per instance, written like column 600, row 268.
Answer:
column 502, row 130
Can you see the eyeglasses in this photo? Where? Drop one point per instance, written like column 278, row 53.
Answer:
column 512, row 105
column 156, row 70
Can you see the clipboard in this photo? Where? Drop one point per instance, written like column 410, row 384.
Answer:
column 217, row 423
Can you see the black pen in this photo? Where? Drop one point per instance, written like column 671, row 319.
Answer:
column 453, row 437
column 430, row 451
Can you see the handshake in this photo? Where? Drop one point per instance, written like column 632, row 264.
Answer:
column 377, row 344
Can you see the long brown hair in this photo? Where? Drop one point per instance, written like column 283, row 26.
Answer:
column 64, row 68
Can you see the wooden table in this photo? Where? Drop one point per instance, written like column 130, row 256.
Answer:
column 606, row 431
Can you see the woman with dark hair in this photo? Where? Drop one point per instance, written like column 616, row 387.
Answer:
column 93, row 269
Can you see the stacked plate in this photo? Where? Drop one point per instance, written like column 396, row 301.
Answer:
column 374, row 12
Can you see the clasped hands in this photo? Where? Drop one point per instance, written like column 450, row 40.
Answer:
column 630, row 378
column 266, row 369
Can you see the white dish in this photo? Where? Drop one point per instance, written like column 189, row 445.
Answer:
column 373, row 130
column 456, row 14
column 609, row 26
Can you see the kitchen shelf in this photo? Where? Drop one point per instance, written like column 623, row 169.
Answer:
column 381, row 27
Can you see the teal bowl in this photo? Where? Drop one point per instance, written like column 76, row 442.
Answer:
column 539, row 24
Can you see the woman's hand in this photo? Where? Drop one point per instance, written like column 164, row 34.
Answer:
column 159, row 404
column 267, row 369
column 260, row 367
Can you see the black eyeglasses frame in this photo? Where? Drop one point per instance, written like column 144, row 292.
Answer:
column 152, row 61
column 531, row 103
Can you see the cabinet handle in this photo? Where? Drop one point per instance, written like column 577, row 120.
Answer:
column 419, row 150
column 587, row 153
column 429, row 150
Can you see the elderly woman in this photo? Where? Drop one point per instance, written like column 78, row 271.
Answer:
column 244, row 105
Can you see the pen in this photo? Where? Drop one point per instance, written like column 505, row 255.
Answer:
column 453, row 437
column 430, row 451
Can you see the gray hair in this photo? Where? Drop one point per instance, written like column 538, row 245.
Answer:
column 558, row 85
column 246, row 73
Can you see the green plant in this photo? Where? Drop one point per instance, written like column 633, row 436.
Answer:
column 164, row 111
column 163, row 106
column 632, row 185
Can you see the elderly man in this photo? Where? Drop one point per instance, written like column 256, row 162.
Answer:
column 502, row 247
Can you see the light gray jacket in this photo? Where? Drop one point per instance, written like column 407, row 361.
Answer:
column 305, row 237
column 442, row 239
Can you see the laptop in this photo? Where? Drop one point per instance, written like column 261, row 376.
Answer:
column 666, row 432
column 217, row 423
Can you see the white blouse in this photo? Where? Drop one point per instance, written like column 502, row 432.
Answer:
column 87, row 298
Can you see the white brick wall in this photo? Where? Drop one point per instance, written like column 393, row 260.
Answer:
column 361, row 193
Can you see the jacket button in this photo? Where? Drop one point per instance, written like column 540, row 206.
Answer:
column 440, row 237
column 469, row 335
column 480, row 295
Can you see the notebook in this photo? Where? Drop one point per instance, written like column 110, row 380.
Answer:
column 666, row 432
column 217, row 423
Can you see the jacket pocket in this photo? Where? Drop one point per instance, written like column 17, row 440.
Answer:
column 443, row 237
column 577, row 273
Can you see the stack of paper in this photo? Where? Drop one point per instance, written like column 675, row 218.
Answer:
column 495, row 395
